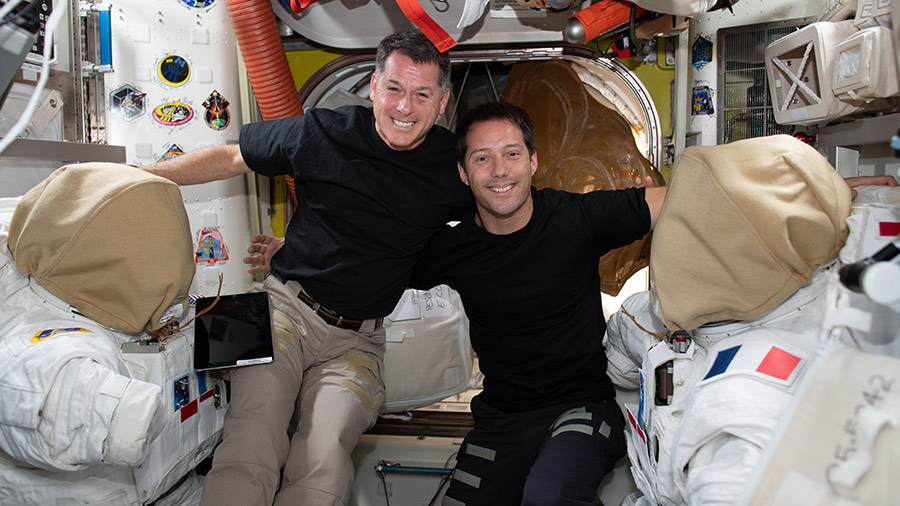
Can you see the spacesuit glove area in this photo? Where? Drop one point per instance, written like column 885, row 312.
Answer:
column 129, row 432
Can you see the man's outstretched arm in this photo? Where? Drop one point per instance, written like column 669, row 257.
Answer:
column 202, row 166
column 654, row 196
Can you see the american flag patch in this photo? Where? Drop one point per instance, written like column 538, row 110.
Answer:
column 635, row 426
column 761, row 358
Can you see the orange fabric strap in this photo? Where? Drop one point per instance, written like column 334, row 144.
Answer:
column 298, row 5
column 414, row 12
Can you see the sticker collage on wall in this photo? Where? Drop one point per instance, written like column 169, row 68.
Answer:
column 167, row 78
column 171, row 91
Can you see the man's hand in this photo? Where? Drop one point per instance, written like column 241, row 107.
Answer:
column 868, row 181
column 262, row 249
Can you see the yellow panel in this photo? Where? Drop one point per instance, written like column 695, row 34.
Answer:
column 307, row 62
column 279, row 219
column 657, row 79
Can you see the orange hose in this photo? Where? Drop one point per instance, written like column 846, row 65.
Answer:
column 267, row 66
column 270, row 75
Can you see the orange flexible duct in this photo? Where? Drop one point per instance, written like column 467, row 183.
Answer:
column 270, row 75
column 260, row 44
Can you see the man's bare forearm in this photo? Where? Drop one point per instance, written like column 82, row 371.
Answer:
column 655, row 197
column 201, row 166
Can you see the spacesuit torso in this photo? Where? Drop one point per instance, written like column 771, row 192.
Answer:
column 706, row 412
column 81, row 420
column 64, row 383
column 746, row 409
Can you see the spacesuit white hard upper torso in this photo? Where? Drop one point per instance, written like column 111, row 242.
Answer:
column 75, row 404
column 714, row 399
column 81, row 421
column 699, row 443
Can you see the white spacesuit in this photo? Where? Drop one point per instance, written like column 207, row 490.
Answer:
column 698, row 440
column 97, row 254
column 838, row 442
column 725, row 343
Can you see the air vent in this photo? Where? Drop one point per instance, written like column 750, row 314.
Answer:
column 744, row 106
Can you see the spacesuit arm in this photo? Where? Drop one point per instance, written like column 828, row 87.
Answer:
column 623, row 370
column 719, row 470
column 90, row 414
column 724, row 428
column 629, row 334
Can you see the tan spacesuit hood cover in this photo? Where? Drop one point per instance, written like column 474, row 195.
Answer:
column 110, row 240
column 743, row 226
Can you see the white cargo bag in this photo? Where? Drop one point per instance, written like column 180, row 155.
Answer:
column 428, row 355
column 799, row 68
column 866, row 67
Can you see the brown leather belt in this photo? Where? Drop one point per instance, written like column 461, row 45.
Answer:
column 328, row 316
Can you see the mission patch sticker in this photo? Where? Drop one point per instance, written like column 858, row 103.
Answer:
column 217, row 116
column 198, row 4
column 173, row 113
column 210, row 247
column 173, row 151
column 127, row 102
column 174, row 70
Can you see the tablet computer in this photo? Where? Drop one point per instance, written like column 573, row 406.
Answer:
column 235, row 331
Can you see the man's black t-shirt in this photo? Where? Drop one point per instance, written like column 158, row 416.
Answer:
column 533, row 296
column 366, row 211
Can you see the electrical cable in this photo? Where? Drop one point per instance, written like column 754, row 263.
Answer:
column 49, row 35
column 380, row 473
column 605, row 53
column 444, row 480
column 168, row 333
column 636, row 45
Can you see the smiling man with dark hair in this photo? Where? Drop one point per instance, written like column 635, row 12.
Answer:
column 524, row 261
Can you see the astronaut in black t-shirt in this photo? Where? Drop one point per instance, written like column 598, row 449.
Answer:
column 524, row 261
column 373, row 185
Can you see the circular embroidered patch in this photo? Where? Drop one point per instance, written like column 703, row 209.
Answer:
column 174, row 70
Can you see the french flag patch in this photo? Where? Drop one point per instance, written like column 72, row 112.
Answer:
column 760, row 358
column 888, row 229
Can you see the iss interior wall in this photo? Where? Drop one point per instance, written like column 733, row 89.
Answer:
column 746, row 12
column 195, row 39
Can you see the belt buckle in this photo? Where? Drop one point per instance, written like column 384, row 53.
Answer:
column 330, row 314
column 326, row 314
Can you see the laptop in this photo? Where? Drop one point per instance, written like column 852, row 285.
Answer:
column 236, row 331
